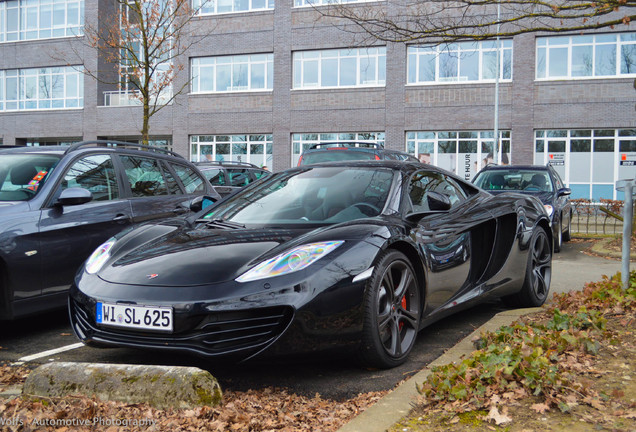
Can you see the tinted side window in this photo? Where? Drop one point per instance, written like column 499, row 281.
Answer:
column 95, row 173
column 423, row 182
column 238, row 177
column 260, row 173
column 192, row 181
column 144, row 176
column 215, row 176
column 171, row 182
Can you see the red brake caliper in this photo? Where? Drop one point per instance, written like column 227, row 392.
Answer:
column 403, row 304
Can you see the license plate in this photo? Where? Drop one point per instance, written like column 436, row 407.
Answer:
column 137, row 317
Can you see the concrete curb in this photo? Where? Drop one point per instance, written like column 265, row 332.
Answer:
column 398, row 403
column 599, row 248
column 158, row 386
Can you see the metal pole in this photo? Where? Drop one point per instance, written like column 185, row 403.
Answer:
column 628, row 216
column 495, row 147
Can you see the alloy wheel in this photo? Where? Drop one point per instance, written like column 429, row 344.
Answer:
column 397, row 309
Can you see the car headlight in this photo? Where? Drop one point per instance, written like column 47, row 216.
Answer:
column 290, row 261
column 548, row 209
column 99, row 257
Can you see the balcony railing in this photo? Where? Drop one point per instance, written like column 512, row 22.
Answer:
column 130, row 98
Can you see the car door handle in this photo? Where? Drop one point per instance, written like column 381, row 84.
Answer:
column 121, row 218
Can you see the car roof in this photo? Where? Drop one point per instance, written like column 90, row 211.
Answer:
column 232, row 164
column 515, row 167
column 104, row 145
column 349, row 145
column 404, row 166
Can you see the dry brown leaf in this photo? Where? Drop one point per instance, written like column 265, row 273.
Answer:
column 497, row 417
column 540, row 407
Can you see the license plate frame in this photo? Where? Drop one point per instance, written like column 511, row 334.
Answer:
column 135, row 317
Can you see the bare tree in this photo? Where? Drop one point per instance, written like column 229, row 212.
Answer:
column 436, row 21
column 142, row 40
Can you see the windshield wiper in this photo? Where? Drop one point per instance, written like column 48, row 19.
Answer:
column 220, row 223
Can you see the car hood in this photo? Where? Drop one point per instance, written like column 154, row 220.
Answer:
column 544, row 197
column 190, row 257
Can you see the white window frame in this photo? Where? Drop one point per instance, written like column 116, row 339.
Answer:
column 544, row 136
column 202, row 7
column 70, row 80
column 568, row 42
column 212, row 63
column 414, row 138
column 479, row 47
column 266, row 140
column 302, row 141
column 31, row 12
column 301, row 60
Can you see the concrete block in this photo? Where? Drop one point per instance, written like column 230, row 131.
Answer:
column 158, row 386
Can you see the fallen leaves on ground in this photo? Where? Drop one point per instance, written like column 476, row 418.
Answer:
column 10, row 375
column 256, row 410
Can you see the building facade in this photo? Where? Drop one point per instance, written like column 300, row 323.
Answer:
column 269, row 79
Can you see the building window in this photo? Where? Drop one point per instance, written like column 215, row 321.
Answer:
column 40, row 19
column 459, row 62
column 254, row 72
column 589, row 161
column 356, row 67
column 255, row 149
column 312, row 3
column 586, row 56
column 463, row 153
column 301, row 142
column 52, row 142
column 214, row 7
column 41, row 89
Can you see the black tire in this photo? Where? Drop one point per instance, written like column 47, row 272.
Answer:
column 567, row 234
column 536, row 284
column 392, row 311
column 558, row 238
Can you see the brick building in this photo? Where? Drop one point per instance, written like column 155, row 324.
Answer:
column 271, row 79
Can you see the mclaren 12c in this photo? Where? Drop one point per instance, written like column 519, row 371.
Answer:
column 356, row 256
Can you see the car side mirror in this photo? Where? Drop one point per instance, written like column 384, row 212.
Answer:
column 438, row 201
column 74, row 196
column 202, row 201
column 564, row 192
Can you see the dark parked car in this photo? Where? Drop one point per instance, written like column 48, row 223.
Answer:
column 538, row 180
column 335, row 152
column 228, row 177
column 57, row 204
column 356, row 255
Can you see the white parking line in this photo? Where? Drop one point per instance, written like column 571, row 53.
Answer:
column 50, row 352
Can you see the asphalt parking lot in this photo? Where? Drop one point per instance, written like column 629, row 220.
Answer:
column 48, row 337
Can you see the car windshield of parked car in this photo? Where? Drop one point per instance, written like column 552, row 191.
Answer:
column 23, row 175
column 335, row 155
column 316, row 195
column 515, row 179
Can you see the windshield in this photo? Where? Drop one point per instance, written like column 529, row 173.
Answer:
column 515, row 179
column 316, row 195
column 336, row 155
column 22, row 175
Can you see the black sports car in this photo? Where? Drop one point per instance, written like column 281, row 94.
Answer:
column 355, row 255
